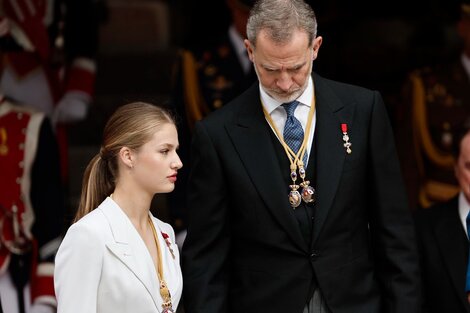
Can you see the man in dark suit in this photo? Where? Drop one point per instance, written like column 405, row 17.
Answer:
column 443, row 241
column 266, row 234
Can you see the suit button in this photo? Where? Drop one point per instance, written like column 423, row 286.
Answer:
column 314, row 255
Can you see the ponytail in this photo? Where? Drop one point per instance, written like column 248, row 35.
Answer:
column 98, row 183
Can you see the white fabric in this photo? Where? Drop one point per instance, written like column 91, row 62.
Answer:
column 72, row 107
column 9, row 297
column 464, row 208
column 103, row 266
column 466, row 63
column 317, row 304
column 180, row 237
column 42, row 308
column 38, row 94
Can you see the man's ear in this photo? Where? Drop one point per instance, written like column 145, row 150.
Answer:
column 316, row 46
column 249, row 49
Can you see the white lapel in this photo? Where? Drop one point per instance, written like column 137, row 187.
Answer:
column 130, row 249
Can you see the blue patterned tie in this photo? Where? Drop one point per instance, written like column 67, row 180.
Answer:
column 467, row 285
column 293, row 131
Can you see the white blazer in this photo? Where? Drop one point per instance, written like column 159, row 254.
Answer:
column 103, row 265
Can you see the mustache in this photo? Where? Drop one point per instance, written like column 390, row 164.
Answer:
column 284, row 96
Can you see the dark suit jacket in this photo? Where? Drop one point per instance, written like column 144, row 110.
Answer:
column 244, row 251
column 443, row 248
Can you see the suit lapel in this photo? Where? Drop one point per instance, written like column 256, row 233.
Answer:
column 251, row 138
column 331, row 152
column 451, row 240
column 129, row 248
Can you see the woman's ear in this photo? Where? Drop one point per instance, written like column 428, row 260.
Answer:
column 127, row 157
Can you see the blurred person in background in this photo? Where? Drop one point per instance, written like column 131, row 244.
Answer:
column 436, row 104
column 48, row 50
column 443, row 241
column 207, row 77
column 31, row 209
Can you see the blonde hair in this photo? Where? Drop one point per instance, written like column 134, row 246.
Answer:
column 131, row 125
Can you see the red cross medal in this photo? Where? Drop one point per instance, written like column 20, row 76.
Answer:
column 347, row 144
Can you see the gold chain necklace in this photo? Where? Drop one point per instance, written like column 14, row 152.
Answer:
column 164, row 291
column 295, row 159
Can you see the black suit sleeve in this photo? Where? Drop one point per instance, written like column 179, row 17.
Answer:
column 206, row 287
column 391, row 225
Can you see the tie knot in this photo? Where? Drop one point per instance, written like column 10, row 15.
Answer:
column 290, row 107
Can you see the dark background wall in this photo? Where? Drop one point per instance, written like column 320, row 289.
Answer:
column 370, row 43
column 373, row 44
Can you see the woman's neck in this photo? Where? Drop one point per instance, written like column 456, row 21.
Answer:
column 134, row 204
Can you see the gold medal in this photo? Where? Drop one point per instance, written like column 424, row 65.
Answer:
column 294, row 196
column 308, row 192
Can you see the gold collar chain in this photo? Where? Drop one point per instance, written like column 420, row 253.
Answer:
column 295, row 159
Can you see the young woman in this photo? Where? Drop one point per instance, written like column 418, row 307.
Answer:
column 119, row 257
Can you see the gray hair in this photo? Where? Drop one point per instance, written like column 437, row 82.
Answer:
column 280, row 18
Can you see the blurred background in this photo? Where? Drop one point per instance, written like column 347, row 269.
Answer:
column 370, row 43
column 63, row 57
